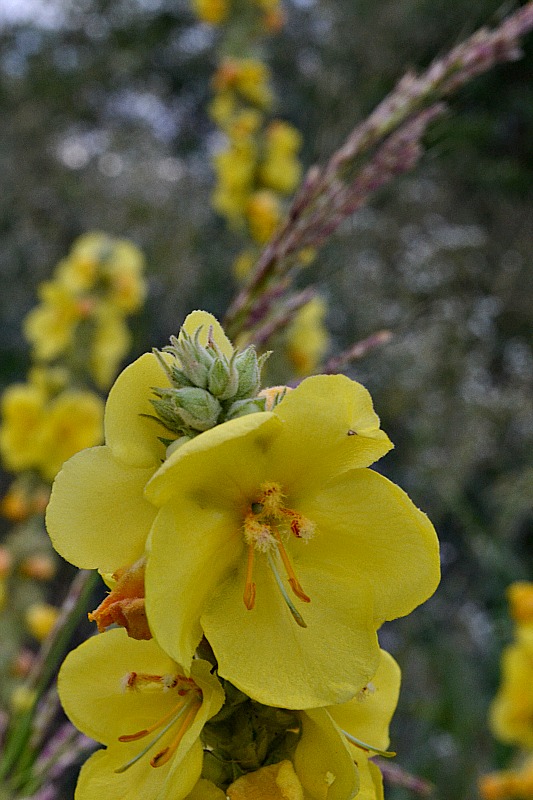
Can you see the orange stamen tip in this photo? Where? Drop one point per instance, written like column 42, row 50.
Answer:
column 249, row 596
column 132, row 737
column 159, row 759
column 298, row 591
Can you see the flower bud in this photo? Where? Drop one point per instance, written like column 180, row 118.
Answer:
column 240, row 408
column 197, row 408
column 223, row 379
column 249, row 368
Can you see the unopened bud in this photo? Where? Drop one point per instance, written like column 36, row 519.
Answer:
column 223, row 379
column 197, row 408
column 241, row 408
column 249, row 368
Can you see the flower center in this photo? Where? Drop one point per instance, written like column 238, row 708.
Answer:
column 268, row 525
column 188, row 700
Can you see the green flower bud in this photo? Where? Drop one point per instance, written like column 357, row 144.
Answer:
column 249, row 368
column 197, row 408
column 240, row 408
column 223, row 379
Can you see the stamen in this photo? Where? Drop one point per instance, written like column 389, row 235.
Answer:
column 292, row 608
column 132, row 737
column 153, row 741
column 293, row 580
column 249, row 587
column 166, row 754
column 368, row 747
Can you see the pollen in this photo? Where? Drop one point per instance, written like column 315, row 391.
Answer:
column 268, row 526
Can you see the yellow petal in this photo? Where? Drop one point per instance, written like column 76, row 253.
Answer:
column 273, row 782
column 99, row 781
column 367, row 716
column 372, row 527
column 269, row 657
column 191, row 551
column 222, row 467
column 97, row 516
column 205, row 321
column 205, row 790
column 91, row 688
column 132, row 437
column 370, row 780
column 329, row 427
column 322, row 759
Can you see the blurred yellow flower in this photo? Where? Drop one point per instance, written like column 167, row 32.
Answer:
column 211, row 11
column 110, row 343
column 40, row 433
column 263, row 212
column 74, row 420
column 49, row 326
column 40, row 618
column 307, row 337
column 511, row 713
column 23, row 415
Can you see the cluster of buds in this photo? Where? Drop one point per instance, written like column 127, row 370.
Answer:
column 208, row 386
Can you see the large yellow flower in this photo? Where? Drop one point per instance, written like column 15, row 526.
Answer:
column 277, row 543
column 135, row 700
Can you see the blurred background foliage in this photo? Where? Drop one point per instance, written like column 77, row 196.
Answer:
column 104, row 127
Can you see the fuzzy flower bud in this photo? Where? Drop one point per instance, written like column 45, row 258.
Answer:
column 197, row 408
column 240, row 408
column 223, row 379
column 249, row 368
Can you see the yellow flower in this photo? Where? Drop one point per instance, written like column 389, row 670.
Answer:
column 281, row 169
column 98, row 517
column 49, row 327
column 211, row 11
column 23, row 413
column 331, row 761
column 40, row 618
column 291, row 552
column 74, row 421
column 132, row 698
column 263, row 213
column 307, row 337
column 114, row 267
column 110, row 343
column 248, row 77
column 511, row 713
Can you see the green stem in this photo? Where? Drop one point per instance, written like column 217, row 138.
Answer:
column 16, row 755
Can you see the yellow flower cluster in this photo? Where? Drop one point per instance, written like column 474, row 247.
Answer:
column 82, row 310
column 259, row 164
column 511, row 713
column 252, row 556
column 44, row 422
